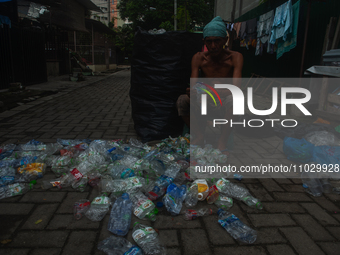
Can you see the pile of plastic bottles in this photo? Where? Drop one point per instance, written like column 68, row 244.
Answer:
column 131, row 177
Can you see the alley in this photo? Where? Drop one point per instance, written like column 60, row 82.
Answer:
column 291, row 222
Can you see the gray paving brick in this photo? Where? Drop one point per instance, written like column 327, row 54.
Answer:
column 71, row 198
column 9, row 225
column 15, row 209
column 49, row 251
column 42, row 212
column 280, row 249
column 271, row 220
column 80, row 242
column 327, row 205
column 293, row 188
column 314, row 229
column 195, row 242
column 43, row 197
column 335, row 231
column 270, row 185
column 330, row 248
column 15, row 251
column 40, row 239
column 323, row 217
column 168, row 237
column 259, row 192
column 301, row 242
column 173, row 251
column 254, row 250
column 216, row 233
column 168, row 222
column 282, row 207
column 269, row 236
column 291, row 197
column 69, row 222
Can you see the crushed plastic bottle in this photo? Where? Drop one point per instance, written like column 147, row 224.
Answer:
column 7, row 175
column 99, row 208
column 236, row 228
column 224, row 202
column 213, row 194
column 80, row 208
column 191, row 198
column 147, row 238
column 80, row 185
column 15, row 189
column 143, row 206
column 119, row 171
column 160, row 187
column 190, row 214
column 120, row 217
column 237, row 192
column 120, row 185
column 174, row 198
column 203, row 189
column 313, row 183
column 116, row 245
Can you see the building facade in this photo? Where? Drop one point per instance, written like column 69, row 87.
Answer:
column 104, row 16
column 224, row 8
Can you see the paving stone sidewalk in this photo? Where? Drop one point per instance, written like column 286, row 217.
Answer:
column 292, row 221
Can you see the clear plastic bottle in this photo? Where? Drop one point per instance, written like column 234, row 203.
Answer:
column 133, row 151
column 80, row 185
column 12, row 190
column 237, row 192
column 212, row 194
column 203, row 189
column 190, row 214
column 191, row 198
column 80, row 208
column 160, row 187
column 118, row 245
column 147, row 238
column 224, row 202
column 236, row 228
column 143, row 206
column 119, row 171
column 174, row 198
column 7, row 175
column 99, row 208
column 120, row 217
column 120, row 185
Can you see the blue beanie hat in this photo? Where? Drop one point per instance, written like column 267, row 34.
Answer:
column 216, row 27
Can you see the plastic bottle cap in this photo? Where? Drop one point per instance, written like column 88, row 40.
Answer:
column 200, row 195
column 155, row 211
column 159, row 204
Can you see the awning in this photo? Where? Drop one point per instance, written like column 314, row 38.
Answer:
column 98, row 27
column 332, row 71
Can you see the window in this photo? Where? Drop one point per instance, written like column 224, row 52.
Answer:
column 113, row 1
column 113, row 11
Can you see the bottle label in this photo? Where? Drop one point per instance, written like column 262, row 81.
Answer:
column 135, row 181
column 15, row 189
column 193, row 214
column 75, row 172
column 139, row 233
column 138, row 164
column 101, row 200
column 221, row 183
column 139, row 210
column 228, row 221
column 133, row 251
column 225, row 199
column 202, row 185
column 212, row 191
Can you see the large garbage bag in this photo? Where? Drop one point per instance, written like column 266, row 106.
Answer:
column 298, row 150
column 160, row 73
column 302, row 129
column 327, row 155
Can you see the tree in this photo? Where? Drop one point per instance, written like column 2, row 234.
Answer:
column 124, row 39
column 150, row 14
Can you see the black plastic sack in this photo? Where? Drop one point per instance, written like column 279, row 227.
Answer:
column 160, row 73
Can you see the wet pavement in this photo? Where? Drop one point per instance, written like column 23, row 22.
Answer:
column 291, row 222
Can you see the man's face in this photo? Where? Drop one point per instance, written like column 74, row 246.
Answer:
column 215, row 44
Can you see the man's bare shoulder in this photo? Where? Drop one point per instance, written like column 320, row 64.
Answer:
column 235, row 56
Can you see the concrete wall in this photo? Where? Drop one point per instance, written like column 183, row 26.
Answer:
column 101, row 68
column 52, row 68
column 223, row 8
column 104, row 16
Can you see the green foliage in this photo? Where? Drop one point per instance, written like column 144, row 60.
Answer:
column 167, row 25
column 199, row 13
column 124, row 38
